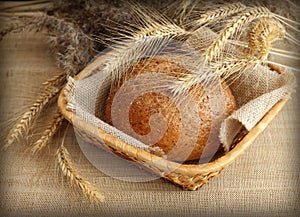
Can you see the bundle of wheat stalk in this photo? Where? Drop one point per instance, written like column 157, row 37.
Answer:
column 232, row 40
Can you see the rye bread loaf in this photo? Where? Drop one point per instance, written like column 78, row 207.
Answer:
column 148, row 104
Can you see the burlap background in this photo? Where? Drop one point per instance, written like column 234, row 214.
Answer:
column 263, row 182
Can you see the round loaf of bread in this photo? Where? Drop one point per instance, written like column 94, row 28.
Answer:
column 150, row 103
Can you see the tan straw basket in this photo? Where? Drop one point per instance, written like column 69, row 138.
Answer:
column 189, row 176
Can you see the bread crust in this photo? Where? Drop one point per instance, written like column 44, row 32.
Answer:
column 148, row 104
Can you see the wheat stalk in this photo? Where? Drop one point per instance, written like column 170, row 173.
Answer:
column 236, row 23
column 36, row 5
column 26, row 120
column 180, row 10
column 69, row 170
column 48, row 133
column 184, row 6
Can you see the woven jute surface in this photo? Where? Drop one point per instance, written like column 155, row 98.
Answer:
column 263, row 182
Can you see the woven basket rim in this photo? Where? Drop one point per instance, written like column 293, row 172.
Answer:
column 164, row 164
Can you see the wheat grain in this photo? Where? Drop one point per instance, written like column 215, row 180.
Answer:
column 48, row 133
column 161, row 30
column 222, row 12
column 11, row 27
column 69, row 170
column 262, row 34
column 272, row 31
column 228, row 67
column 4, row 31
column 24, row 124
column 56, row 80
column 235, row 24
column 253, row 42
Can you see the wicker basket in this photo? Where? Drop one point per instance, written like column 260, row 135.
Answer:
column 189, row 176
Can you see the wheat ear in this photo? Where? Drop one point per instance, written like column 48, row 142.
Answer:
column 272, row 30
column 69, row 170
column 5, row 31
column 24, row 124
column 48, row 133
column 56, row 80
column 230, row 68
column 11, row 27
column 236, row 23
column 148, row 40
column 253, row 43
column 262, row 34
column 72, row 46
column 222, row 12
